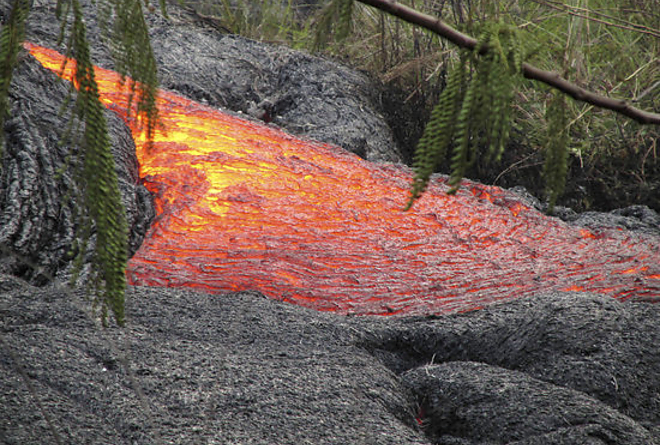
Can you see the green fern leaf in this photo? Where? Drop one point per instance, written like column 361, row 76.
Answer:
column 98, row 182
column 438, row 133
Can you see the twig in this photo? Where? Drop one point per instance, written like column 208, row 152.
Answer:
column 550, row 78
column 584, row 13
column 21, row 370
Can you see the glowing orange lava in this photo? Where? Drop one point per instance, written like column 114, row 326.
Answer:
column 246, row 206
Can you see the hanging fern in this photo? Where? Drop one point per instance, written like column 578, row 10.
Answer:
column 439, row 132
column 336, row 11
column 98, row 182
column 103, row 215
column 473, row 114
column 478, row 115
column 134, row 57
column 464, row 122
column 345, row 19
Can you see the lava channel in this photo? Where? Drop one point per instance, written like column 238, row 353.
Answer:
column 246, row 206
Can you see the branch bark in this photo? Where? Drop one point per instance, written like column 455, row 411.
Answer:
column 550, row 78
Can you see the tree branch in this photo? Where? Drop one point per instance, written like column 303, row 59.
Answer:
column 550, row 78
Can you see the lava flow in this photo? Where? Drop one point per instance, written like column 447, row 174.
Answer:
column 245, row 206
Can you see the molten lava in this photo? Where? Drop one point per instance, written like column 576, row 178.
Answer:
column 245, row 206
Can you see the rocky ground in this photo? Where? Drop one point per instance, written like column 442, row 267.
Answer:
column 193, row 368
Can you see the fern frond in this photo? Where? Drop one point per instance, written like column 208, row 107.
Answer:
column 487, row 79
column 11, row 38
column 345, row 19
column 336, row 11
column 134, row 57
column 461, row 155
column 481, row 118
column 501, row 88
column 438, row 133
column 98, row 184
column 514, row 49
column 98, row 181
column 97, row 178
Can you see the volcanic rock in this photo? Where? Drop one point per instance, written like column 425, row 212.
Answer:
column 306, row 95
column 555, row 368
column 638, row 218
column 477, row 402
column 38, row 188
column 241, row 368
column 191, row 368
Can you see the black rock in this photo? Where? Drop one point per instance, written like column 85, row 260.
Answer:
column 478, row 403
column 306, row 95
column 240, row 368
column 580, row 356
column 191, row 368
column 38, row 188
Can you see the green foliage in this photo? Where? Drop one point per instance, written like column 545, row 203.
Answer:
column 274, row 21
column 345, row 19
column 98, row 180
column 556, row 158
column 335, row 19
column 474, row 108
column 400, row 54
column 103, row 215
column 134, row 57
column 439, row 131
column 105, row 212
column 11, row 38
column 609, row 47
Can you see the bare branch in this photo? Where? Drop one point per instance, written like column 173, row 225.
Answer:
column 439, row 27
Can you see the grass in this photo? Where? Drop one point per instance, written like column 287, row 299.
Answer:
column 607, row 46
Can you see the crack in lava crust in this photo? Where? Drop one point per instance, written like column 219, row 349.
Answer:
column 245, row 206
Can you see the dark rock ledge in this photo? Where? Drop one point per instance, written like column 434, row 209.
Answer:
column 194, row 368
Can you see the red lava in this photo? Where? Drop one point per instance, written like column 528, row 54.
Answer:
column 245, row 206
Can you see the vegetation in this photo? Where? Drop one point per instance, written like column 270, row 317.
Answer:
column 605, row 46
column 103, row 214
column 474, row 108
